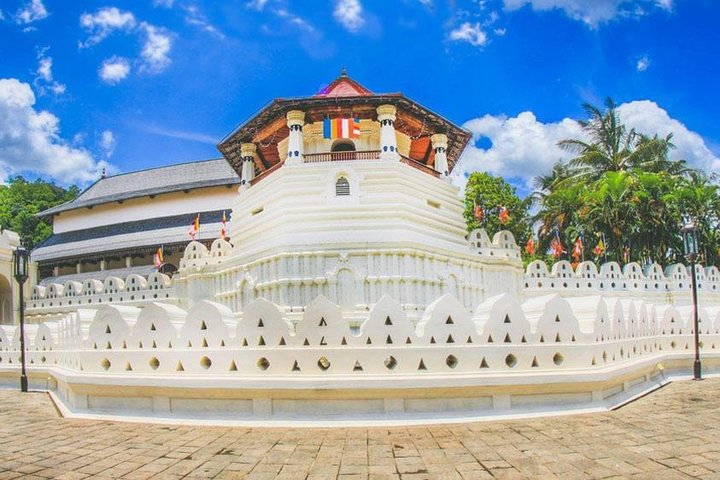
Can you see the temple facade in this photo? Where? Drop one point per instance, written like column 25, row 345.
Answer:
column 116, row 225
column 348, row 288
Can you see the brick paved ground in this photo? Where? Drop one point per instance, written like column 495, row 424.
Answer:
column 673, row 433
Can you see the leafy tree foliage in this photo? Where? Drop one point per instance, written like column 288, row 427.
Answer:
column 622, row 187
column 491, row 193
column 21, row 200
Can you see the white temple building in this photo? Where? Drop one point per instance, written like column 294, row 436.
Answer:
column 349, row 290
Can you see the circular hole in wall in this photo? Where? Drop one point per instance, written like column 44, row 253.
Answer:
column 154, row 363
column 510, row 360
column 451, row 361
column 205, row 362
column 323, row 363
column 558, row 359
column 263, row 363
column 105, row 364
column 390, row 362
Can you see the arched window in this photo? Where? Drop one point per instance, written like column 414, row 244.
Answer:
column 343, row 145
column 342, row 187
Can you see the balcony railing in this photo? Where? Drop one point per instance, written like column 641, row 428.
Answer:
column 342, row 156
column 348, row 156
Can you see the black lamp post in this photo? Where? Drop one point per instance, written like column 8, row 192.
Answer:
column 690, row 244
column 21, row 260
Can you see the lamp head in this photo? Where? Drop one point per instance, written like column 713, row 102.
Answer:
column 21, row 259
column 690, row 243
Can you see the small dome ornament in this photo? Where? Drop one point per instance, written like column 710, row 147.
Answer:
column 343, row 72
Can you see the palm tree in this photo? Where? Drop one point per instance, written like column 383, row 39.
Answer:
column 613, row 147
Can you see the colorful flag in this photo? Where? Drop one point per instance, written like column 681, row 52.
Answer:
column 158, row 258
column 478, row 213
column 626, row 254
column 530, row 246
column 578, row 249
column 599, row 248
column 556, row 246
column 223, row 227
column 504, row 215
column 195, row 228
column 341, row 128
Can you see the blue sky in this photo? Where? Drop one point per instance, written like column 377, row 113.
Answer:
column 131, row 85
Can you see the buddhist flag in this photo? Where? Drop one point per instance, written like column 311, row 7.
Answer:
column 504, row 215
column 578, row 249
column 195, row 228
column 158, row 258
column 530, row 246
column 626, row 254
column 223, row 227
column 478, row 213
column 599, row 248
column 556, row 246
column 341, row 128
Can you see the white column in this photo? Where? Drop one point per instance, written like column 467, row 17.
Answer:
column 439, row 144
column 103, row 265
column 79, row 268
column 128, row 261
column 247, row 152
column 295, row 122
column 388, row 140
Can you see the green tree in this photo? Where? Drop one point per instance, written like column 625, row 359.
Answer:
column 491, row 193
column 622, row 185
column 20, row 201
column 612, row 147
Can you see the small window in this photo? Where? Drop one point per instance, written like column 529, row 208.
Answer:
column 343, row 145
column 342, row 187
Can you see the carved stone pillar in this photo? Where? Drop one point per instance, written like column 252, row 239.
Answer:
column 388, row 139
column 248, row 151
column 439, row 144
column 295, row 122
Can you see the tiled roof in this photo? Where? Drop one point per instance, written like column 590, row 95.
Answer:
column 127, row 236
column 154, row 181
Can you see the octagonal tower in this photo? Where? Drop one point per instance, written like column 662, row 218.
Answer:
column 346, row 194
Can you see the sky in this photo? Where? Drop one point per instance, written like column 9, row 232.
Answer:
column 121, row 86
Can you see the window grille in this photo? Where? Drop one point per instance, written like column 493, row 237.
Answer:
column 342, row 187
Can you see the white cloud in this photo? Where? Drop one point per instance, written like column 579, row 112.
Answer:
column 349, row 13
column 649, row 118
column 2, row 15
column 156, row 49
column 106, row 20
column 114, row 70
column 522, row 147
column 107, row 143
column 592, row 12
column 294, row 19
column 179, row 134
column 257, row 4
column 643, row 63
column 471, row 33
column 31, row 12
column 44, row 81
column 193, row 16
column 163, row 3
column 30, row 140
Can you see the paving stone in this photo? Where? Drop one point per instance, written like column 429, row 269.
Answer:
column 664, row 435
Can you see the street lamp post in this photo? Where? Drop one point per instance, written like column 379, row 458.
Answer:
column 21, row 260
column 690, row 244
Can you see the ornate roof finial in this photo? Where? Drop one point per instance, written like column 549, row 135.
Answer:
column 343, row 72
column 104, row 173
